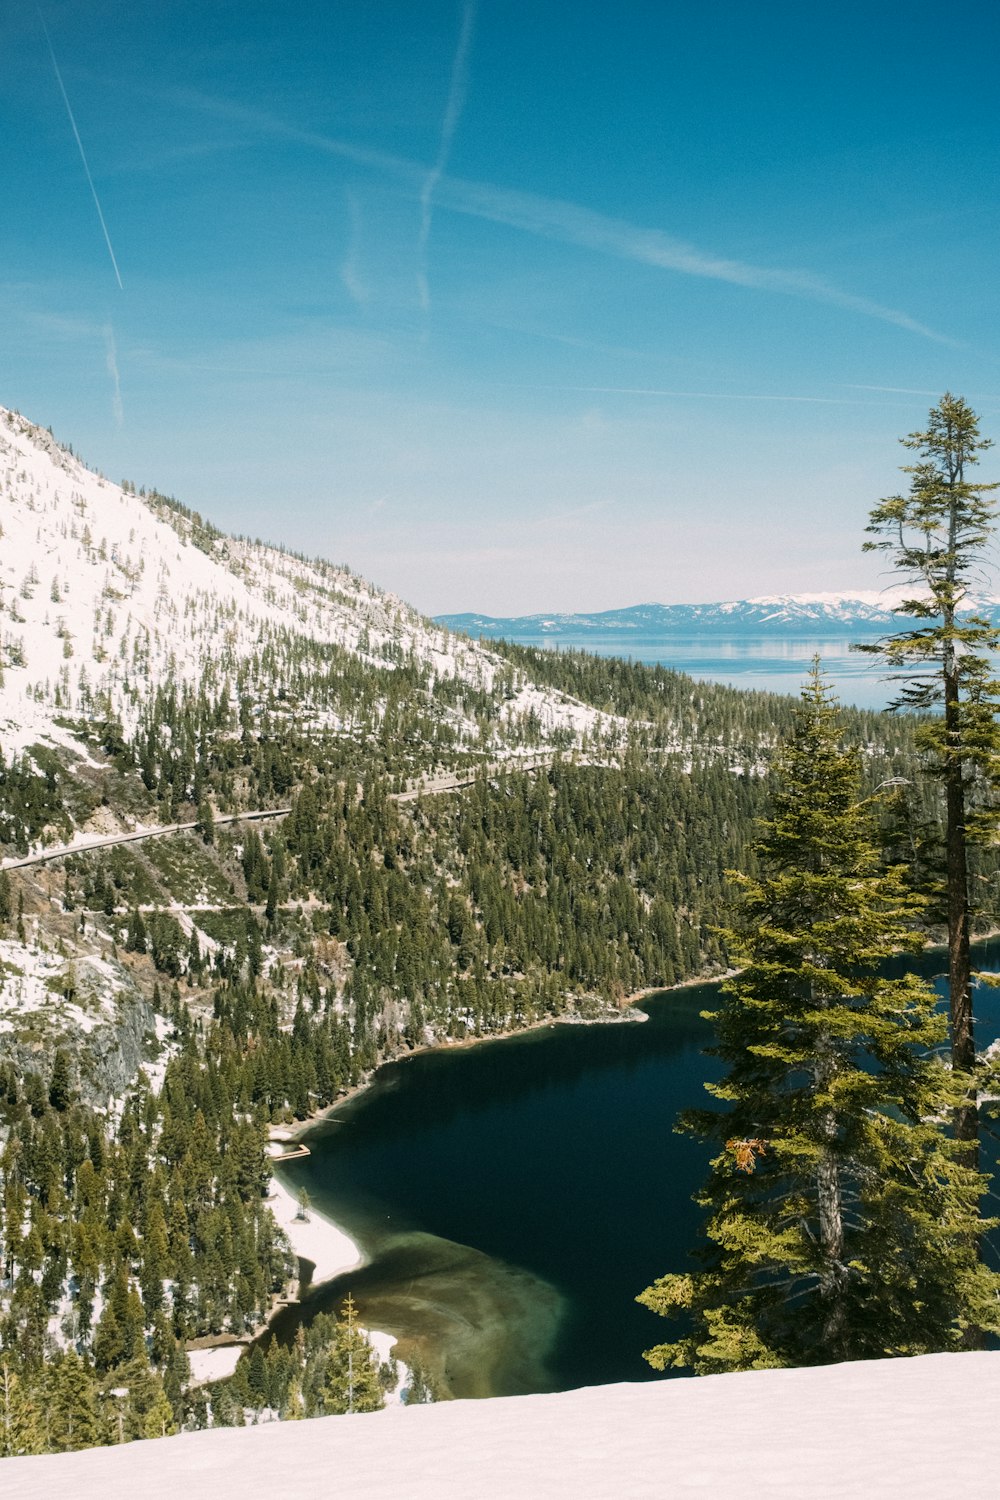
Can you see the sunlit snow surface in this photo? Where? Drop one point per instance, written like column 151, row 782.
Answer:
column 105, row 596
column 313, row 1238
column 924, row 1429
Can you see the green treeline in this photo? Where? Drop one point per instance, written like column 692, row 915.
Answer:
column 119, row 1240
column 354, row 928
column 329, row 1369
column 659, row 698
column 30, row 800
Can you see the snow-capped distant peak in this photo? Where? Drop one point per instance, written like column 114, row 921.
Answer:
column 887, row 598
column 843, row 611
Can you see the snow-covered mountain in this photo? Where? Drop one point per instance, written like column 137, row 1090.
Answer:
column 862, row 614
column 106, row 594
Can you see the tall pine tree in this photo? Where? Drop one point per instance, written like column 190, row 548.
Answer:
column 353, row 1382
column 937, row 537
column 841, row 1221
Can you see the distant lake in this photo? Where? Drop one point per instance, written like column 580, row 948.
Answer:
column 513, row 1197
column 774, row 664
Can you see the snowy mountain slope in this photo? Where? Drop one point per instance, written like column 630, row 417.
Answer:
column 885, row 1429
column 105, row 594
column 862, row 614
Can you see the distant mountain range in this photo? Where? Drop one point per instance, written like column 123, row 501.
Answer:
column 865, row 614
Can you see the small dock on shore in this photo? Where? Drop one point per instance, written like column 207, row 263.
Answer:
column 290, row 1153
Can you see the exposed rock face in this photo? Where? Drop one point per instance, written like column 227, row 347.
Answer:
column 113, row 1053
column 91, row 1007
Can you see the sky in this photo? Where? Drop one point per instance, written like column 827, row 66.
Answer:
column 511, row 308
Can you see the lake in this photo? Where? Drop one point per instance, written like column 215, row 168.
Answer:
column 775, row 664
column 514, row 1196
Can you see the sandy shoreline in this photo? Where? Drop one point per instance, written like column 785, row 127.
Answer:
column 322, row 1242
column 330, row 1251
column 317, row 1239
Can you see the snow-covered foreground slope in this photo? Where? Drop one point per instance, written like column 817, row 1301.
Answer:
column 920, row 1428
column 106, row 594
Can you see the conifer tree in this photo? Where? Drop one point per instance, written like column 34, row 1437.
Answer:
column 20, row 1423
column 135, row 940
column 841, row 1220
column 205, row 821
column 159, row 1419
column 72, row 1418
column 60, row 1083
column 352, row 1381
column 937, row 537
column 257, row 1377
column 273, row 893
column 419, row 1392
column 294, row 1409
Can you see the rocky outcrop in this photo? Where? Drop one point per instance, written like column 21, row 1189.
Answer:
column 92, row 1009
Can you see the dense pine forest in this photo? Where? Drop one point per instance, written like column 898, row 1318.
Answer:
column 290, row 957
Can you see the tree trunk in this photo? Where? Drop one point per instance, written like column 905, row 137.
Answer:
column 963, row 1048
column 830, row 1206
column 831, row 1236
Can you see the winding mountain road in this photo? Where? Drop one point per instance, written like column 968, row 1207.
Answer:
column 427, row 786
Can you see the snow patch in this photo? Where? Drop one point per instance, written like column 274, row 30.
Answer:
column 314, row 1238
column 885, row 1429
column 214, row 1364
column 105, row 593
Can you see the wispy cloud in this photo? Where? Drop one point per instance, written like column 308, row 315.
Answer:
column 262, row 122
column 452, row 115
column 896, row 390
column 907, row 390
column 144, row 161
column 83, row 154
column 350, row 271
column 111, row 360
column 630, row 390
column 557, row 219
column 73, row 330
column 568, row 223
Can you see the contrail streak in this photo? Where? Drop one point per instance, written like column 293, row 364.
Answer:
column 569, row 223
column 111, row 360
column 452, row 115
column 627, row 390
column 565, row 222
column 898, row 390
column 83, row 154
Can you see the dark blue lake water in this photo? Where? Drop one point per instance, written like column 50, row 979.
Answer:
column 513, row 1197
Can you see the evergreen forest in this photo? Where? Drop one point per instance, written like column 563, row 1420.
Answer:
column 341, row 874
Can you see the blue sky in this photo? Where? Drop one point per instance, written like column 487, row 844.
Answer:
column 510, row 307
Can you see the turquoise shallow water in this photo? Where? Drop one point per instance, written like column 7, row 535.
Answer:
column 515, row 1196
